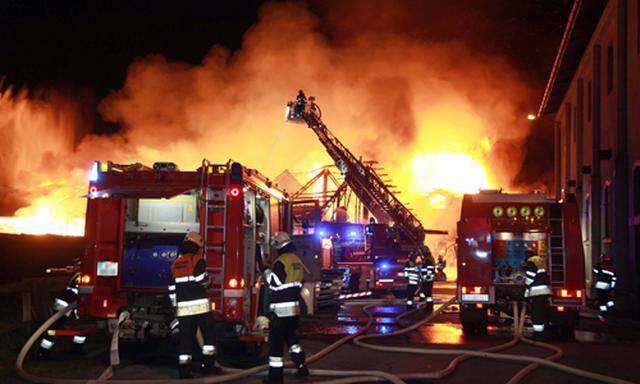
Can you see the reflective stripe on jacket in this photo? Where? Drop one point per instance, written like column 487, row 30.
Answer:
column 604, row 277
column 412, row 273
column 285, row 283
column 427, row 272
column 536, row 281
column 188, row 290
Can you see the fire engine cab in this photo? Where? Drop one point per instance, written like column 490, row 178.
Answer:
column 495, row 232
column 136, row 218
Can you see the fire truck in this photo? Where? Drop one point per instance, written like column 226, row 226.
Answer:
column 136, row 218
column 397, row 230
column 495, row 232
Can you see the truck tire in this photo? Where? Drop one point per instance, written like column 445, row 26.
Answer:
column 474, row 320
column 563, row 324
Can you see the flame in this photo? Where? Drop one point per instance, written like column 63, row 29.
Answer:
column 45, row 220
column 456, row 173
column 429, row 113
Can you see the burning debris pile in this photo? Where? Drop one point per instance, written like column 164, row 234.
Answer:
column 430, row 112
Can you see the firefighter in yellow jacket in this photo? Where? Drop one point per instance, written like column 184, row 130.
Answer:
column 188, row 294
column 285, row 282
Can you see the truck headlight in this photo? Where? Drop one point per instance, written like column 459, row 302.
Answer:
column 107, row 268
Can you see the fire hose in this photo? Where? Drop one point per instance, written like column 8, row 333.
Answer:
column 352, row 376
column 488, row 354
column 231, row 374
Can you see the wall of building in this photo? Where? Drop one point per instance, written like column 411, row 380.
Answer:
column 598, row 134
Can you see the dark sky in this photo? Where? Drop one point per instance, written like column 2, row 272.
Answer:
column 86, row 46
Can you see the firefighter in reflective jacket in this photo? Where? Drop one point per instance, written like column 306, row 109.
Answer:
column 605, row 279
column 285, row 282
column 412, row 274
column 537, row 291
column 427, row 276
column 188, row 294
column 62, row 300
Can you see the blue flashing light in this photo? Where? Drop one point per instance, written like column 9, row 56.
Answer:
column 322, row 233
column 384, row 266
column 93, row 174
column 353, row 234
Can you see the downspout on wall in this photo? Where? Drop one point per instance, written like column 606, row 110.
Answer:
column 596, row 183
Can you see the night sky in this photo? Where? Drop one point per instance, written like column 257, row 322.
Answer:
column 85, row 47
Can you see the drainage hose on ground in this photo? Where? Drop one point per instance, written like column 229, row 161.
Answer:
column 473, row 353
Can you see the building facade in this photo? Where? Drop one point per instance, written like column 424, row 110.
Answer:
column 593, row 98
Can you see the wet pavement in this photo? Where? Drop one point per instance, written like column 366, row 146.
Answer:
column 602, row 355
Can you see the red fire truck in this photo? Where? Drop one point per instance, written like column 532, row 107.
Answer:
column 137, row 217
column 398, row 230
column 495, row 232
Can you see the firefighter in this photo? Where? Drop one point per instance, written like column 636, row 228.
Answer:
column 285, row 282
column 188, row 293
column 604, row 278
column 537, row 291
column 412, row 274
column 301, row 103
column 440, row 266
column 62, row 300
column 427, row 275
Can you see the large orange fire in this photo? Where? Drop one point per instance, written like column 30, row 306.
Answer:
column 429, row 113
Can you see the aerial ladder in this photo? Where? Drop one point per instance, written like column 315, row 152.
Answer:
column 362, row 178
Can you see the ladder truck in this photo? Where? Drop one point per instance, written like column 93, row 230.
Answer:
column 403, row 227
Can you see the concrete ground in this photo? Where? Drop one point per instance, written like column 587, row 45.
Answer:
column 610, row 349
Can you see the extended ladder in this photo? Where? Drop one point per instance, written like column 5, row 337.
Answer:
column 368, row 186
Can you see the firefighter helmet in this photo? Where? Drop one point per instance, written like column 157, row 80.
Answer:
column 537, row 260
column 195, row 238
column 262, row 323
column 279, row 240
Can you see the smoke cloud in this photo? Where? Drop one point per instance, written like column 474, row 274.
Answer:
column 387, row 92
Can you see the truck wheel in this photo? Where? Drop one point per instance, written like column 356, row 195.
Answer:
column 474, row 320
column 563, row 324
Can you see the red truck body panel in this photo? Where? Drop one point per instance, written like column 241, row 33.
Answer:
column 229, row 201
column 497, row 229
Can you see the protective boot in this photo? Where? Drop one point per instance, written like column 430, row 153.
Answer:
column 298, row 357
column 44, row 354
column 209, row 366
column 77, row 349
column 275, row 377
column 184, row 371
column 303, row 371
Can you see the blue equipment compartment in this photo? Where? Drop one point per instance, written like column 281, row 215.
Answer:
column 147, row 260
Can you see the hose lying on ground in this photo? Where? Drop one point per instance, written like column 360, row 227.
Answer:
column 233, row 374
column 473, row 353
column 356, row 376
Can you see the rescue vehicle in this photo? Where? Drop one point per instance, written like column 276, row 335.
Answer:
column 495, row 232
column 397, row 230
column 136, row 218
